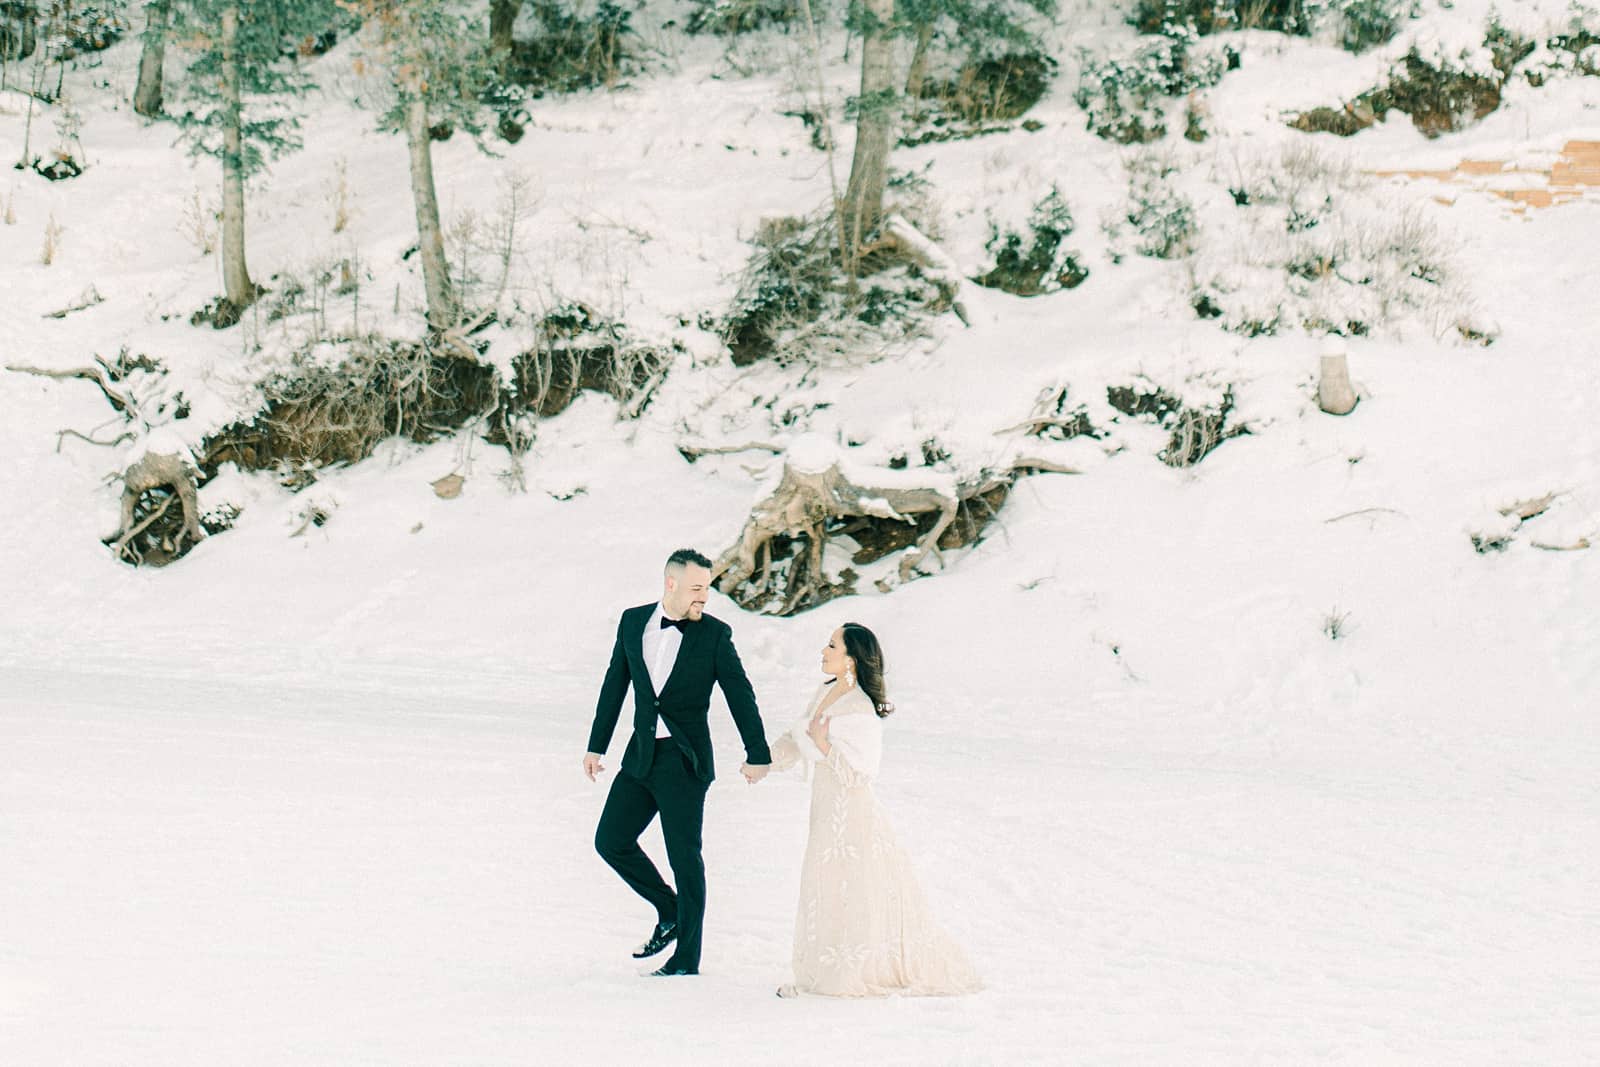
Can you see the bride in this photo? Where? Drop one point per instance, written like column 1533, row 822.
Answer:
column 863, row 928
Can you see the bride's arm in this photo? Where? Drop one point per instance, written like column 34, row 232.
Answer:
column 791, row 748
column 855, row 747
column 785, row 753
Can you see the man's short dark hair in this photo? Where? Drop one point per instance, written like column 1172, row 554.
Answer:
column 685, row 556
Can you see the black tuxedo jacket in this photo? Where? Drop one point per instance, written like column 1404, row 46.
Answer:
column 705, row 656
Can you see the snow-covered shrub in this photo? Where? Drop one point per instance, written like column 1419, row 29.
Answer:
column 1211, row 16
column 1196, row 420
column 92, row 27
column 1124, row 96
column 982, row 96
column 1001, row 86
column 1036, row 260
column 1440, row 91
column 790, row 278
column 1573, row 52
column 1365, row 24
column 574, row 348
column 1159, row 219
column 796, row 301
column 570, row 52
column 732, row 17
column 1317, row 246
column 1360, row 24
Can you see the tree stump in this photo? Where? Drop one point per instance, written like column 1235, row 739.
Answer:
column 817, row 495
column 157, row 470
column 1335, row 395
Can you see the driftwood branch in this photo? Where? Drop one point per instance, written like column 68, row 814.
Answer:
column 96, row 374
column 1041, row 422
column 126, row 435
column 1576, row 546
column 692, row 452
column 778, row 557
column 1531, row 508
column 910, row 242
column 1046, row 466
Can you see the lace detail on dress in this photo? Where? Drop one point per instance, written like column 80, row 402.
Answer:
column 863, row 927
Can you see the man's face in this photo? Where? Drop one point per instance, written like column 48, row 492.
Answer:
column 686, row 591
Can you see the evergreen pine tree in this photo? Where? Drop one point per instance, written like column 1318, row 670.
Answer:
column 240, row 87
column 432, row 55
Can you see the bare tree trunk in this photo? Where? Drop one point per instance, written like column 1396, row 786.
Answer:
column 917, row 75
column 430, row 236
column 502, row 17
column 237, row 287
column 147, row 94
column 869, row 166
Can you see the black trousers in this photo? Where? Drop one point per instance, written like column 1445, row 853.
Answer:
column 671, row 790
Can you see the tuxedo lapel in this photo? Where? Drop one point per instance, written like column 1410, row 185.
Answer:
column 689, row 647
column 633, row 642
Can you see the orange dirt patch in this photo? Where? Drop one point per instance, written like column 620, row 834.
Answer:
column 1573, row 175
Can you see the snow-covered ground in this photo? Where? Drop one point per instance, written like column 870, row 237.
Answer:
column 317, row 799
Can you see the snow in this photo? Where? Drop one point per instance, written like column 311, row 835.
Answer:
column 316, row 798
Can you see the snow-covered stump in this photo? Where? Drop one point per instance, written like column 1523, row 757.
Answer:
column 1335, row 395
column 820, row 496
column 157, row 470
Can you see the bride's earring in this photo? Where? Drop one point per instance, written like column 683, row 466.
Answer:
column 850, row 677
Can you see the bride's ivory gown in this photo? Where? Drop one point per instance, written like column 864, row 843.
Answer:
column 863, row 928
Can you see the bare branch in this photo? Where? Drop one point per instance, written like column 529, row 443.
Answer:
column 1364, row 511
column 126, row 435
column 694, row 452
column 98, row 377
column 1576, row 546
column 1531, row 508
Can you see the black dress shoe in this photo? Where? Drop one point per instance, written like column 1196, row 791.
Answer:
column 670, row 970
column 663, row 935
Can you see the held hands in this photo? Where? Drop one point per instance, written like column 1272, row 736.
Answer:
column 753, row 774
column 592, row 765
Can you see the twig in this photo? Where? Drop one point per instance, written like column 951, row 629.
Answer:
column 88, row 300
column 1040, row 422
column 127, row 435
column 1047, row 466
column 118, row 401
column 1578, row 545
column 1363, row 511
column 694, row 452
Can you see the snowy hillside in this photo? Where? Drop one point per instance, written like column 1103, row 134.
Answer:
column 1287, row 756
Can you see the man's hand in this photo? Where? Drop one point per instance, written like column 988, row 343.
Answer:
column 591, row 765
column 755, row 773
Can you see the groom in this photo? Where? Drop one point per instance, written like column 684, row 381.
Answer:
column 669, row 654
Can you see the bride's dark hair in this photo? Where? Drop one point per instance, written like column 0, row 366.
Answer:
column 861, row 645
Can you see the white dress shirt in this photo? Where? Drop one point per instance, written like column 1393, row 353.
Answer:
column 660, row 648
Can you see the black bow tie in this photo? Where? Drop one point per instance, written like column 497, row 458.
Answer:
column 681, row 625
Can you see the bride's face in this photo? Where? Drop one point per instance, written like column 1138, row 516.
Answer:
column 834, row 659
